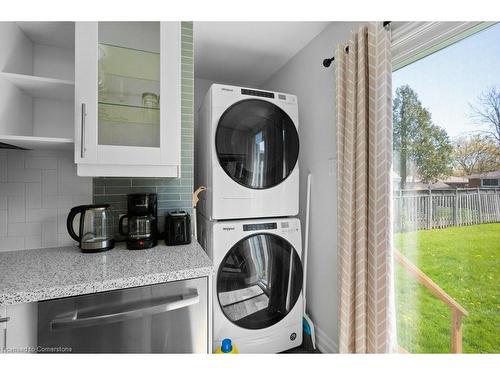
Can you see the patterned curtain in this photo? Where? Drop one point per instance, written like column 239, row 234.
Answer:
column 364, row 145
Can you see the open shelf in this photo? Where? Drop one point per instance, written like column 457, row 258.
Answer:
column 41, row 87
column 58, row 34
column 37, row 143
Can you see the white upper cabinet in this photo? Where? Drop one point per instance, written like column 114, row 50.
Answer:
column 127, row 99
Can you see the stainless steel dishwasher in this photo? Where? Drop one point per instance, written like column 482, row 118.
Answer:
column 161, row 318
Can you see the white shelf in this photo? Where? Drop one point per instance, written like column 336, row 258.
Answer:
column 37, row 143
column 42, row 87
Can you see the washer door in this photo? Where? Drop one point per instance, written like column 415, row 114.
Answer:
column 259, row 281
column 257, row 143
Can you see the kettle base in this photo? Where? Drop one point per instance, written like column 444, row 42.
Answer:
column 98, row 247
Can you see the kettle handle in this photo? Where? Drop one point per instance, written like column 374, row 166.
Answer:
column 120, row 225
column 71, row 217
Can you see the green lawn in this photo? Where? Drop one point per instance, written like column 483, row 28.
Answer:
column 464, row 261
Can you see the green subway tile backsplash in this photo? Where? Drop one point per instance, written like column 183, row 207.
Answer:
column 173, row 193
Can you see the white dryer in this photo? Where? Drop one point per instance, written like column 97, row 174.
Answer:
column 247, row 147
column 257, row 285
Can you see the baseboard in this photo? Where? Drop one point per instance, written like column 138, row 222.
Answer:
column 324, row 343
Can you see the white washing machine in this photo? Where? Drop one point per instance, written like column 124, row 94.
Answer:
column 257, row 286
column 247, row 147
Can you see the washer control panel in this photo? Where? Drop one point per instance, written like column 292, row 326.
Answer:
column 283, row 226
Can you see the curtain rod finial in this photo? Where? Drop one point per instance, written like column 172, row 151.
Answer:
column 328, row 62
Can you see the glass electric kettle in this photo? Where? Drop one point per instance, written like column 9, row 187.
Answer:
column 95, row 230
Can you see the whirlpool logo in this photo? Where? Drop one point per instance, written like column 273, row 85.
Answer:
column 228, row 228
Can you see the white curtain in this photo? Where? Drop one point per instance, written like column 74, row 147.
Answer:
column 364, row 143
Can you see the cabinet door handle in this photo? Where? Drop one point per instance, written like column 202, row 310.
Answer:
column 82, row 140
column 4, row 320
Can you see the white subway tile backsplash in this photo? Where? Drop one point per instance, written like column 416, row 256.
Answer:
column 3, row 166
column 41, row 162
column 63, row 239
column 24, row 175
column 3, row 223
column 10, row 189
column 81, row 199
column 62, row 215
column 24, row 229
column 37, row 189
column 49, row 234
column 11, row 243
column 40, row 214
column 33, row 195
column 33, row 242
column 15, row 160
column 16, row 209
column 49, row 181
column 57, row 201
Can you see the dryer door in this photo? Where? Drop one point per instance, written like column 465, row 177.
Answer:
column 257, row 143
column 259, row 281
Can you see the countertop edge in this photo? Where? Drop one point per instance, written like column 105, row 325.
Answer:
column 9, row 299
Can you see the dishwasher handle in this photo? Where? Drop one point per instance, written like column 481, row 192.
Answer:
column 74, row 322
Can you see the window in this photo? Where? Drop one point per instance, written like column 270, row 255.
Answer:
column 489, row 182
column 446, row 240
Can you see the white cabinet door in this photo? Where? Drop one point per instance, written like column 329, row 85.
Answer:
column 21, row 328
column 127, row 98
column 3, row 329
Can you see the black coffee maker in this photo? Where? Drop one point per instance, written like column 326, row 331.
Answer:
column 141, row 227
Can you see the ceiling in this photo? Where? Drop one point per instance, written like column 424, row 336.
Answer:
column 248, row 53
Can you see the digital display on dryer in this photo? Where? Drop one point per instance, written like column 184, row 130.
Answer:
column 263, row 226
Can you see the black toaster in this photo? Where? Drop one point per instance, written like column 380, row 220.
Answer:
column 177, row 228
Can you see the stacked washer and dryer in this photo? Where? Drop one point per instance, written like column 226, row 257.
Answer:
column 247, row 149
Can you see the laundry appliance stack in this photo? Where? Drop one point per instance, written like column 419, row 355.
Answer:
column 247, row 148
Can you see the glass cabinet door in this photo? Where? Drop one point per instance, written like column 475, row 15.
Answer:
column 129, row 84
column 127, row 98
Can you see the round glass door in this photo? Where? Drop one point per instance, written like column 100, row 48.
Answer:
column 257, row 143
column 259, row 281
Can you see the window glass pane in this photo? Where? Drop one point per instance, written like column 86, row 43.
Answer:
column 446, row 217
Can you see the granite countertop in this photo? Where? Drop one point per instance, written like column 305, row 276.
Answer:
column 40, row 274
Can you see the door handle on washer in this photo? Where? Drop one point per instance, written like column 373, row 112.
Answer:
column 74, row 322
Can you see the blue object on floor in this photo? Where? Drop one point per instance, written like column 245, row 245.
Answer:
column 306, row 327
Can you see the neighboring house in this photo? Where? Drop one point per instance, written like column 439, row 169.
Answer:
column 415, row 183
column 456, row 182
column 485, row 180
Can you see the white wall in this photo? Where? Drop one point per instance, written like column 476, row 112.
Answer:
column 37, row 190
column 314, row 85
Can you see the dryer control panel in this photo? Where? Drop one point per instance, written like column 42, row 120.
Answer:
column 263, row 226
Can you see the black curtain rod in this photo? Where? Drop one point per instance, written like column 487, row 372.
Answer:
column 328, row 62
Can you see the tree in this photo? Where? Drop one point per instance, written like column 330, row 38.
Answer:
column 416, row 140
column 475, row 154
column 486, row 113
